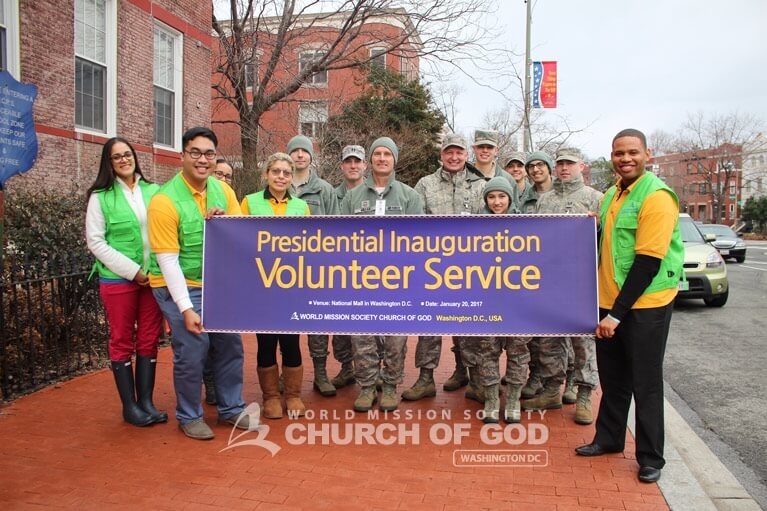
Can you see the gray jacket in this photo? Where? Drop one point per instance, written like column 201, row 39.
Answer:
column 444, row 193
column 400, row 199
column 318, row 194
column 571, row 196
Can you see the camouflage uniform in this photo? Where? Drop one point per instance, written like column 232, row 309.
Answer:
column 444, row 193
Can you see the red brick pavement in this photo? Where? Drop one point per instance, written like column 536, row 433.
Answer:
column 67, row 447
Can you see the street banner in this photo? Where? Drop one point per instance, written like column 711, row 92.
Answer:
column 545, row 84
column 18, row 138
column 401, row 275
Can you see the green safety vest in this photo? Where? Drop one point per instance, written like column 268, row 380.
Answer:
column 191, row 222
column 624, row 235
column 123, row 230
column 259, row 206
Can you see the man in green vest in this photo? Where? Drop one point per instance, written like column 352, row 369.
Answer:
column 176, row 217
column 640, row 265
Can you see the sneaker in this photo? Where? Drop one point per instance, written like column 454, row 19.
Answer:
column 239, row 421
column 197, row 429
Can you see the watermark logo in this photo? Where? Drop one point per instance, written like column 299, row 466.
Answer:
column 253, row 413
column 500, row 458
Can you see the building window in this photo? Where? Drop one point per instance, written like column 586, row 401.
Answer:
column 167, row 86
column 702, row 188
column 306, row 59
column 312, row 117
column 732, row 211
column 378, row 58
column 733, row 189
column 9, row 37
column 250, row 70
column 95, row 54
column 700, row 168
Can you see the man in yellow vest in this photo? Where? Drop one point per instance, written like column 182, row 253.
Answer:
column 176, row 218
column 640, row 265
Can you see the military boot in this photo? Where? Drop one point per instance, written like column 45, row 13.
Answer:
column 512, row 413
column 533, row 386
column 459, row 378
column 549, row 399
column 571, row 390
column 492, row 404
column 583, row 413
column 389, row 399
column 366, row 399
column 321, row 382
column 423, row 387
column 474, row 390
column 344, row 377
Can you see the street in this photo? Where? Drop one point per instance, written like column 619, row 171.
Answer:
column 715, row 365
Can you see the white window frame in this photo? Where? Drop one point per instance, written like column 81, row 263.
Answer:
column 11, row 24
column 733, row 187
column 732, row 210
column 311, row 80
column 381, row 52
column 110, row 64
column 178, row 84
column 319, row 108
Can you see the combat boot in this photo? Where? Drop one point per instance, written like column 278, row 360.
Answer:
column 474, row 390
column 512, row 413
column 549, row 399
column 344, row 377
column 533, row 386
column 366, row 399
column 321, row 382
column 389, row 400
column 423, row 387
column 583, row 413
column 571, row 390
column 492, row 404
column 459, row 378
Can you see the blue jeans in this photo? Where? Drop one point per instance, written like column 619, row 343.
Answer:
column 190, row 352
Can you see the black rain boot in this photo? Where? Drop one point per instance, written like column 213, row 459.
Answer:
column 146, row 368
column 132, row 414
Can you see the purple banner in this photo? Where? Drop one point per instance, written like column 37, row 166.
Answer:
column 405, row 275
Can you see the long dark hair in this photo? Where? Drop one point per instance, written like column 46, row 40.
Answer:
column 105, row 179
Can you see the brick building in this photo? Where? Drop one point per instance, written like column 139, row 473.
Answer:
column 695, row 176
column 134, row 68
column 325, row 92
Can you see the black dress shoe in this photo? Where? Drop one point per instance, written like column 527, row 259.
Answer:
column 649, row 474
column 593, row 449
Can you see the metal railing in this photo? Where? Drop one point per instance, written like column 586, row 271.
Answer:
column 52, row 322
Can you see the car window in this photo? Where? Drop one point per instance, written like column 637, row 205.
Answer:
column 719, row 230
column 690, row 233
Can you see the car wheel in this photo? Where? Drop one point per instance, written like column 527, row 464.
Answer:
column 741, row 259
column 718, row 300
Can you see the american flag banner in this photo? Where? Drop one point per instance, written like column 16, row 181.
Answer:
column 545, row 84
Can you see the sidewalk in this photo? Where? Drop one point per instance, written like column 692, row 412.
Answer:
column 67, row 447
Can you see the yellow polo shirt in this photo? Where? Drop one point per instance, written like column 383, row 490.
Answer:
column 163, row 220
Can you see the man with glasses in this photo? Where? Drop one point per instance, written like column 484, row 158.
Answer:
column 176, row 218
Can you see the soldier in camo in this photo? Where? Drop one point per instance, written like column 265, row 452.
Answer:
column 569, row 195
column 380, row 193
column 322, row 200
column 454, row 189
column 485, row 149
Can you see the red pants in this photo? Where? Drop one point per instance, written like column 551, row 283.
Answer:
column 131, row 308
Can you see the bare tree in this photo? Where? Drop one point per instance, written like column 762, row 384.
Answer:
column 260, row 66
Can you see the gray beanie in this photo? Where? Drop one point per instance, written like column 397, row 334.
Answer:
column 542, row 156
column 301, row 142
column 498, row 184
column 388, row 144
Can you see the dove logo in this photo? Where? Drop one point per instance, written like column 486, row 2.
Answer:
column 236, row 439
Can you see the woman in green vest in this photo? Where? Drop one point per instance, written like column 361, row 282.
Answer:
column 116, row 233
column 275, row 200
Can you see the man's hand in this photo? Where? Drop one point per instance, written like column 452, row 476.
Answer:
column 606, row 328
column 214, row 212
column 192, row 321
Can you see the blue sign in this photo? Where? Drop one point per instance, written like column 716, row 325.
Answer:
column 18, row 139
column 404, row 275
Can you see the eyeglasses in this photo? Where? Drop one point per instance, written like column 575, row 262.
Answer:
column 220, row 174
column 117, row 157
column 195, row 154
column 538, row 165
column 277, row 172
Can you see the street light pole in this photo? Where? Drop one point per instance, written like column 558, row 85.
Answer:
column 527, row 144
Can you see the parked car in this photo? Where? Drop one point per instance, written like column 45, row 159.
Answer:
column 726, row 241
column 704, row 268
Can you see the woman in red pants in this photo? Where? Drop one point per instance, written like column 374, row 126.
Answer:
column 116, row 232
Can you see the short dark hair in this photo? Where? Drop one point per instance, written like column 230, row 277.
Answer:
column 221, row 159
column 631, row 132
column 199, row 131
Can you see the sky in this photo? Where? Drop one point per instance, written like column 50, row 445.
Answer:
column 643, row 64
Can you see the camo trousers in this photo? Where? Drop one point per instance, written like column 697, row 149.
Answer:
column 342, row 347
column 368, row 363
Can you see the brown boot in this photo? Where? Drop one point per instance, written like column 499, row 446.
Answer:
column 267, row 378
column 293, row 378
column 583, row 413
column 549, row 399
